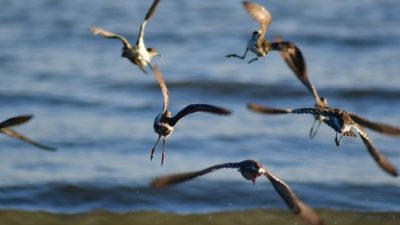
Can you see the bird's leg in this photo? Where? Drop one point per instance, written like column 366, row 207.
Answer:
column 312, row 131
column 163, row 152
column 338, row 140
column 240, row 57
column 154, row 147
column 256, row 58
column 144, row 71
column 149, row 64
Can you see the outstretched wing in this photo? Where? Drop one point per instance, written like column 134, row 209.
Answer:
column 293, row 57
column 272, row 111
column 260, row 14
column 12, row 133
column 376, row 126
column 198, row 108
column 150, row 13
column 109, row 34
column 14, row 121
column 163, row 86
column 379, row 158
column 266, row 109
column 183, row 177
column 304, row 212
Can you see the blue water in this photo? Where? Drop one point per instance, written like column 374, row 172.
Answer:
column 98, row 109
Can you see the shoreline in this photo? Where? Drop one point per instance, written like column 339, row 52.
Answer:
column 254, row 216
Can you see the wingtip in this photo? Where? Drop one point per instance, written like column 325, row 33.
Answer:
column 94, row 30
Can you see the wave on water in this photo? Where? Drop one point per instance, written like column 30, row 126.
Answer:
column 195, row 197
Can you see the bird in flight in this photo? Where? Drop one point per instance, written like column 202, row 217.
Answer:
column 164, row 122
column 250, row 170
column 343, row 124
column 138, row 54
column 261, row 46
column 300, row 70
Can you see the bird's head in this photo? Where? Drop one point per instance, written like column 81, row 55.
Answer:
column 251, row 169
column 153, row 52
column 323, row 102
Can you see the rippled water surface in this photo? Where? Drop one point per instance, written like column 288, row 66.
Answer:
column 98, row 109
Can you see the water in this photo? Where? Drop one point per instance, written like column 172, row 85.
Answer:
column 98, row 109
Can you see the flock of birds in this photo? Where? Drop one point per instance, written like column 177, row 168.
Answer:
column 342, row 122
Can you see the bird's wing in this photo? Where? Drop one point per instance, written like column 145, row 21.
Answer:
column 150, row 13
column 109, row 34
column 293, row 57
column 198, row 108
column 376, row 126
column 14, row 121
column 168, row 180
column 379, row 158
column 270, row 110
column 260, row 14
column 12, row 133
column 163, row 86
column 298, row 207
column 266, row 109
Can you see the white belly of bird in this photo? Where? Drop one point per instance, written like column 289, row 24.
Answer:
column 143, row 56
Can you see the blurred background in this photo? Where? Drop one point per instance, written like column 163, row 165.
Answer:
column 98, row 109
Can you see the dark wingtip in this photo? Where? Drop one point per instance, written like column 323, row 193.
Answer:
column 226, row 112
column 265, row 109
column 17, row 120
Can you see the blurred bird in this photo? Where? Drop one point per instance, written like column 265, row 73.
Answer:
column 164, row 122
column 259, row 45
column 18, row 120
column 300, row 70
column 138, row 54
column 250, row 170
column 341, row 122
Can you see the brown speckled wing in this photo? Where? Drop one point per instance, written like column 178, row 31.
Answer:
column 379, row 158
column 260, row 14
column 15, row 121
column 163, row 86
column 198, row 108
column 109, row 34
column 298, row 207
column 168, row 180
column 12, row 133
column 376, row 126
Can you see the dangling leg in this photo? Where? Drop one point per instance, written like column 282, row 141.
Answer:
column 312, row 131
column 240, row 57
column 163, row 152
column 149, row 65
column 154, row 147
column 253, row 60
column 144, row 71
column 338, row 140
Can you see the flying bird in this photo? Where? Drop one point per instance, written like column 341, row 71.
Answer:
column 164, row 122
column 18, row 120
column 138, row 54
column 300, row 70
column 261, row 46
column 250, row 170
column 343, row 124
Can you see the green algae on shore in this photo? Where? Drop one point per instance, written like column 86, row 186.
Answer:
column 256, row 216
